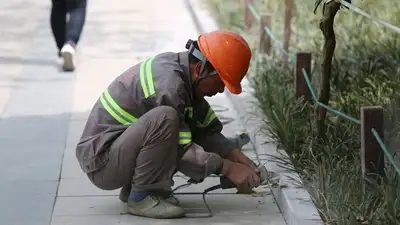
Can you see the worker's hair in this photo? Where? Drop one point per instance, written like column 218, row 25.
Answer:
column 192, row 58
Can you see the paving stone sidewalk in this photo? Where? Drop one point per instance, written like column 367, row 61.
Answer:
column 44, row 111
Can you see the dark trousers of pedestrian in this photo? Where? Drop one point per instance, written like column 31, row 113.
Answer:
column 67, row 31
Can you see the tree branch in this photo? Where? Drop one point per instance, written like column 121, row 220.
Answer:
column 329, row 12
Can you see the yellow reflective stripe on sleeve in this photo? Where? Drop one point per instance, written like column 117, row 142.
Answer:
column 210, row 116
column 123, row 113
column 112, row 113
column 146, row 77
column 189, row 111
column 149, row 76
column 115, row 110
column 185, row 138
column 142, row 80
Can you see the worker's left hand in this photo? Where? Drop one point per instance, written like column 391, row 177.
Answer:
column 238, row 156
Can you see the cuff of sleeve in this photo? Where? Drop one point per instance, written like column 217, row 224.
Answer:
column 219, row 169
column 226, row 149
column 185, row 137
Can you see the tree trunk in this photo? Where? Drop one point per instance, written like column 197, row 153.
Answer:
column 326, row 25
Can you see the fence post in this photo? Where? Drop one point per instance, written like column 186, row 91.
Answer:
column 287, row 29
column 265, row 39
column 303, row 60
column 372, row 157
column 248, row 16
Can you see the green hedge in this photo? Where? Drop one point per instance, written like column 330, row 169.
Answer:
column 366, row 71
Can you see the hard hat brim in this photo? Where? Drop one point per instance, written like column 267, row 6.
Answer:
column 203, row 46
column 234, row 89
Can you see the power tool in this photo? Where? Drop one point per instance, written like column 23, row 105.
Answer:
column 225, row 183
column 264, row 175
column 265, row 178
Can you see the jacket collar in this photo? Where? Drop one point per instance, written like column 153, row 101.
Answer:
column 183, row 59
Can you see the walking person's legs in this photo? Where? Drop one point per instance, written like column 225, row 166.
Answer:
column 58, row 22
column 77, row 11
column 73, row 29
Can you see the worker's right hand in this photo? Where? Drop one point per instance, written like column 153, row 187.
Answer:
column 240, row 174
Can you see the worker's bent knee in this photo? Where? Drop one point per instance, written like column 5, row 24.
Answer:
column 159, row 125
column 168, row 111
column 166, row 114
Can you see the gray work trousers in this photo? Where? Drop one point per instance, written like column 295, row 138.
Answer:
column 146, row 155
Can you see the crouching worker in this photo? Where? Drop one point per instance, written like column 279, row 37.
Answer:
column 153, row 121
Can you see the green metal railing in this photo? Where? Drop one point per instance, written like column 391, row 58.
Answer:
column 292, row 59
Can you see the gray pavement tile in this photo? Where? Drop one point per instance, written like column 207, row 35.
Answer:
column 33, row 126
column 39, row 130
column 29, row 160
column 22, row 219
column 75, row 129
column 227, row 205
column 71, row 169
column 39, row 77
column 133, row 220
column 27, row 201
column 13, row 13
column 70, row 151
column 81, row 116
column 235, row 209
column 91, row 205
column 35, row 98
column 68, row 187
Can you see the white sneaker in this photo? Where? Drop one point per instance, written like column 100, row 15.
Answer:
column 68, row 54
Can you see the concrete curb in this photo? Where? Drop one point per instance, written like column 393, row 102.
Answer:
column 294, row 202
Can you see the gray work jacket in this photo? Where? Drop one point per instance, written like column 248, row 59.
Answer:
column 160, row 80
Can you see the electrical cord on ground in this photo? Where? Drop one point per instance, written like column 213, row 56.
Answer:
column 269, row 178
column 215, row 187
column 241, row 140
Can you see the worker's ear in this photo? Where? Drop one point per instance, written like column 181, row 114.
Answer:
column 198, row 68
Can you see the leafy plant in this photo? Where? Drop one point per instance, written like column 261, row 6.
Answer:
column 365, row 72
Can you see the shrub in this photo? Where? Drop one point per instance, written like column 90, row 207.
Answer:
column 366, row 72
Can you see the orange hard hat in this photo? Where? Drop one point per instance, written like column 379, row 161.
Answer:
column 229, row 54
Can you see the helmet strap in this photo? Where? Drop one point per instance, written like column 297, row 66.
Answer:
column 197, row 54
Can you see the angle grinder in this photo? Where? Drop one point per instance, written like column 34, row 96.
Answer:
column 265, row 178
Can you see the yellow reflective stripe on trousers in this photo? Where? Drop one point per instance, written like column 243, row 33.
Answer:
column 185, row 138
column 146, row 78
column 115, row 110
